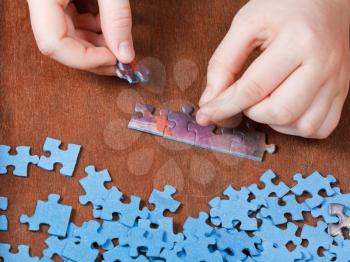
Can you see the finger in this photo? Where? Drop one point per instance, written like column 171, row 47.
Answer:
column 267, row 72
column 93, row 38
column 104, row 71
column 88, row 22
column 116, row 26
column 229, row 58
column 71, row 10
column 50, row 30
column 291, row 99
column 332, row 119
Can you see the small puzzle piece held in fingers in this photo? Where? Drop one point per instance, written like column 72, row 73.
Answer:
column 134, row 73
column 20, row 161
column 51, row 213
column 67, row 158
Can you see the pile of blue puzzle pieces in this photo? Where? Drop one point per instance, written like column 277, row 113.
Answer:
column 246, row 224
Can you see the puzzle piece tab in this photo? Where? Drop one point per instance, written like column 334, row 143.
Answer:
column 134, row 73
column 20, row 161
column 66, row 158
column 52, row 213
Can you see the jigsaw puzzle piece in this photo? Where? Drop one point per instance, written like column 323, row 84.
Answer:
column 20, row 161
column 341, row 250
column 163, row 201
column 180, row 122
column 238, row 243
column 277, row 212
column 236, row 209
column 113, row 230
column 197, row 227
column 93, row 185
column 52, row 213
column 121, row 254
column 23, row 254
column 134, row 73
column 337, row 211
column 79, row 251
column 272, row 253
column 313, row 184
column 205, row 136
column 317, row 238
column 66, row 158
column 261, row 194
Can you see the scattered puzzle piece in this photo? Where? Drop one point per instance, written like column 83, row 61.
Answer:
column 313, row 184
column 67, row 158
column 3, row 218
column 273, row 253
column 261, row 194
column 341, row 250
column 23, row 254
column 134, row 73
column 277, row 212
column 234, row 210
column 337, row 210
column 181, row 127
column 20, row 161
column 51, row 213
column 121, row 254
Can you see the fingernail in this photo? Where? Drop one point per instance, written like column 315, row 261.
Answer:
column 125, row 50
column 206, row 97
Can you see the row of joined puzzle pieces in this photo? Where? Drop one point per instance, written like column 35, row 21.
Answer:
column 181, row 127
column 245, row 225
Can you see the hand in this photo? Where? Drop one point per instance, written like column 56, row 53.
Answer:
column 299, row 83
column 76, row 40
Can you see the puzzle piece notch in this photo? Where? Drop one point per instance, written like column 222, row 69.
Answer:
column 236, row 209
column 134, row 73
column 52, row 213
column 93, row 185
column 23, row 254
column 19, row 161
column 66, row 158
column 313, row 184
column 163, row 201
column 277, row 212
column 261, row 194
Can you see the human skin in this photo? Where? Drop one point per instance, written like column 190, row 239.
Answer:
column 299, row 83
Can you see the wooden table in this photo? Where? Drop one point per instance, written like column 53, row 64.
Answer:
column 40, row 98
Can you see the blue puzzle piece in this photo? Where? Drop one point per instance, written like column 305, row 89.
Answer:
column 52, row 213
column 55, row 245
column 79, row 251
column 66, row 158
column 3, row 218
column 166, row 224
column 121, row 254
column 20, row 161
column 197, row 227
column 23, row 254
column 317, row 237
column 90, row 233
column 237, row 242
column 341, row 250
column 277, row 212
column 280, row 237
column 113, row 230
column 261, row 194
column 127, row 212
column 163, row 201
column 229, row 212
column 313, row 184
column 273, row 253
column 93, row 185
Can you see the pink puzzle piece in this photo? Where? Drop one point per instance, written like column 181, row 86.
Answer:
column 181, row 126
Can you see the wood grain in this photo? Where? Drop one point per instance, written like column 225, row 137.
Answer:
column 40, row 98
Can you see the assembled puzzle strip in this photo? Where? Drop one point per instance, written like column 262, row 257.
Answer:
column 181, row 127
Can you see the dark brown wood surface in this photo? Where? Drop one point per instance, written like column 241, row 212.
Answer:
column 40, row 98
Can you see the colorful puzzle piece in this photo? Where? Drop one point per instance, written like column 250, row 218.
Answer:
column 3, row 218
column 20, row 161
column 67, row 158
column 181, row 127
column 134, row 73
column 51, row 213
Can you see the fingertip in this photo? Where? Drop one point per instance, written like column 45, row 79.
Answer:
column 125, row 51
column 202, row 118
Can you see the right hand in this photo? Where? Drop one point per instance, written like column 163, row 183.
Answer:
column 84, row 41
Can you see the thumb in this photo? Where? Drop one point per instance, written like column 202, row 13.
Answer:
column 116, row 26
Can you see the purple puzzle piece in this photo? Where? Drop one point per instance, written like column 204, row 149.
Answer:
column 181, row 119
